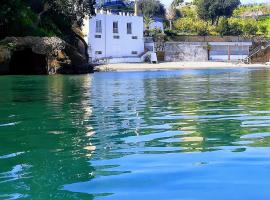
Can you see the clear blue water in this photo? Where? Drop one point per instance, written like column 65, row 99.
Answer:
column 174, row 135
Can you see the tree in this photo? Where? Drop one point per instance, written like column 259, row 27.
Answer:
column 226, row 28
column 151, row 8
column 45, row 17
column 43, row 14
column 202, row 28
column 74, row 10
column 214, row 9
column 185, row 25
column 250, row 27
column 176, row 3
column 170, row 15
column 190, row 26
column 147, row 22
column 189, row 11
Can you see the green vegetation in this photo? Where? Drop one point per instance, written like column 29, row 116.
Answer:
column 205, row 17
column 264, row 25
column 249, row 9
column 151, row 8
column 213, row 10
column 189, row 26
column 43, row 17
column 176, row 3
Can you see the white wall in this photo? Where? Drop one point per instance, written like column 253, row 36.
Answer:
column 111, row 47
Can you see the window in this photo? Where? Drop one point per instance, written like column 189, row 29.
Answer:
column 115, row 27
column 116, row 37
column 134, row 37
column 97, row 36
column 134, row 52
column 129, row 28
column 98, row 26
column 98, row 52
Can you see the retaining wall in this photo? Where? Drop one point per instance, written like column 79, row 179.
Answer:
column 183, row 51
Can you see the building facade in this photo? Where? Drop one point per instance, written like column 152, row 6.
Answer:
column 115, row 36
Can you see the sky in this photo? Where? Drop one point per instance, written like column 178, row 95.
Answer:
column 168, row 2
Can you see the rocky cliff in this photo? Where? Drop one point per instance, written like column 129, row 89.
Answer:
column 261, row 57
column 40, row 55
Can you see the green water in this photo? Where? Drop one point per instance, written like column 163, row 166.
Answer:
column 170, row 135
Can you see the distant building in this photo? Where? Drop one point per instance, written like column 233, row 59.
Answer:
column 115, row 37
column 108, row 3
column 157, row 24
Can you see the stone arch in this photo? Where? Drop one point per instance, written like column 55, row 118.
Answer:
column 27, row 62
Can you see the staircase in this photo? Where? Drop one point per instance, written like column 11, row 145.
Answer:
column 256, row 50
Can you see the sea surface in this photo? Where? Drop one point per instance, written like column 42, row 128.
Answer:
column 165, row 135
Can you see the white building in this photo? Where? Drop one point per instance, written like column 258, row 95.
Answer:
column 118, row 38
column 157, row 24
column 102, row 3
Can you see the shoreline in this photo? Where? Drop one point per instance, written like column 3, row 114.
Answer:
column 173, row 66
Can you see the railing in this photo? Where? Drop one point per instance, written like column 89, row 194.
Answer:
column 255, row 51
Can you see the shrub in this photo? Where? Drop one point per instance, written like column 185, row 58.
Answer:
column 192, row 26
column 185, row 25
column 170, row 32
column 188, row 11
column 230, row 27
column 235, row 29
column 202, row 28
column 155, row 32
column 224, row 27
column 250, row 27
column 264, row 25
column 263, row 29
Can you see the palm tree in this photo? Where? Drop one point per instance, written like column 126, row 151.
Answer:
column 147, row 22
column 170, row 15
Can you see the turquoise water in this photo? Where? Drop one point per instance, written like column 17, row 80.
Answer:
column 174, row 135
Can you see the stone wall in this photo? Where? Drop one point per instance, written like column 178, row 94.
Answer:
column 186, row 51
column 196, row 38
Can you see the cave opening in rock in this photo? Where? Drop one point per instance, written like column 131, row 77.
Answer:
column 27, row 62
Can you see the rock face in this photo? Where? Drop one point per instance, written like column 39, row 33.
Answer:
column 262, row 56
column 40, row 55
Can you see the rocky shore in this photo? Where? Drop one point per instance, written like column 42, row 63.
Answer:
column 40, row 55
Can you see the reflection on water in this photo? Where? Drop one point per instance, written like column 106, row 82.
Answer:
column 190, row 134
